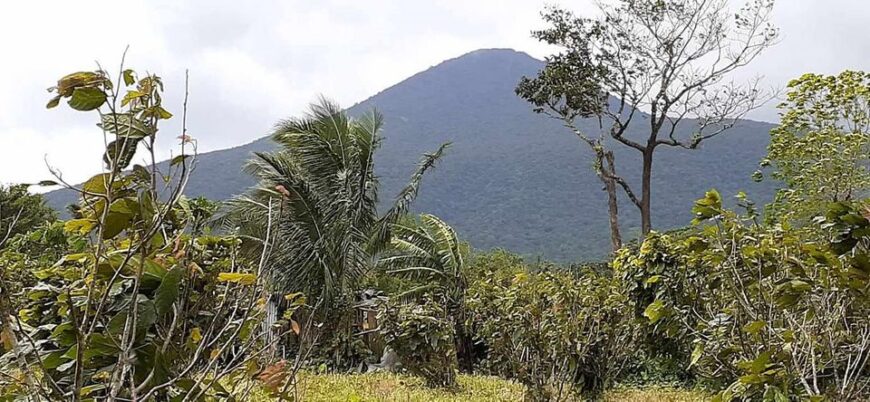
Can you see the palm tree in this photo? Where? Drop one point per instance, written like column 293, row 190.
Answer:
column 317, row 200
column 429, row 252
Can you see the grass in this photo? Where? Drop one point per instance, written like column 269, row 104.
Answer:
column 383, row 387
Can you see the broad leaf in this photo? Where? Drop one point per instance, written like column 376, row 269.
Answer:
column 168, row 290
column 233, row 277
column 79, row 226
column 655, row 311
column 87, row 98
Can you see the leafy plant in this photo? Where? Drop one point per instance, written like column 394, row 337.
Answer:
column 21, row 212
column 555, row 333
column 775, row 312
column 142, row 305
column 422, row 335
column 326, row 195
column 429, row 253
column 820, row 148
column 320, row 193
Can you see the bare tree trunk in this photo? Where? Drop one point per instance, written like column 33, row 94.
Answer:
column 612, row 201
column 645, row 218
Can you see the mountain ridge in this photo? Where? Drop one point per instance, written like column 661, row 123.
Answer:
column 513, row 178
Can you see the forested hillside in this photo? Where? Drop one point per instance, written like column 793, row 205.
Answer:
column 512, row 178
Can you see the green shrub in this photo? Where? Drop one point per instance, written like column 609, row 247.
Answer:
column 555, row 333
column 422, row 335
column 772, row 312
column 129, row 300
column 648, row 273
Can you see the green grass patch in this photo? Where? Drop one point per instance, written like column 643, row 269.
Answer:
column 383, row 387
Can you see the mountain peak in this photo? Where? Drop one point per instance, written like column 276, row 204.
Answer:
column 512, row 178
column 494, row 56
column 496, row 52
column 491, row 73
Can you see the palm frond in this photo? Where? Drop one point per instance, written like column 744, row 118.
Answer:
column 326, row 226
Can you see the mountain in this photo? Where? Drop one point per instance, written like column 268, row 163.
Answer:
column 513, row 178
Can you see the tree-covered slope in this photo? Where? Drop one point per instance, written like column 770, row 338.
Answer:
column 513, row 179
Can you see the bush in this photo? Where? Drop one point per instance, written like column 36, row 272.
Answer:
column 555, row 333
column 772, row 312
column 655, row 271
column 140, row 305
column 422, row 336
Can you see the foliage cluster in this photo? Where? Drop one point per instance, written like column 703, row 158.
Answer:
column 132, row 299
column 819, row 151
column 774, row 312
column 553, row 332
column 21, row 211
column 319, row 195
column 423, row 337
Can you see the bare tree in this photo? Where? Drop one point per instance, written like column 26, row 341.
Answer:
column 668, row 58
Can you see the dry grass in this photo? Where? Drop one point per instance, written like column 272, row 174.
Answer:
column 654, row 394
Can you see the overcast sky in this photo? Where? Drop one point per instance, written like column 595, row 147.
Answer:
column 252, row 63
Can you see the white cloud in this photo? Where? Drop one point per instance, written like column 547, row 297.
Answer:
column 252, row 63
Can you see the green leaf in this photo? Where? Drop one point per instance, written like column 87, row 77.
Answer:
column 67, row 84
column 233, row 277
column 163, row 113
column 53, row 359
column 53, row 102
column 125, row 125
column 178, row 159
column 90, row 389
column 87, row 98
column 129, row 78
column 758, row 365
column 147, row 316
column 115, row 223
column 195, row 335
column 753, row 379
column 97, row 184
column 153, row 274
column 167, row 292
column 696, row 354
column 754, row 327
column 800, row 286
column 46, row 183
column 64, row 334
column 707, row 207
column 127, row 148
column 653, row 279
column 655, row 311
column 100, row 346
column 79, row 226
column 131, row 95
column 116, row 324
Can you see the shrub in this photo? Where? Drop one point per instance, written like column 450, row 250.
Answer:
column 140, row 305
column 555, row 333
column 656, row 271
column 774, row 312
column 422, row 336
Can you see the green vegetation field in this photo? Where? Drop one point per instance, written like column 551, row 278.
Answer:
column 398, row 387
